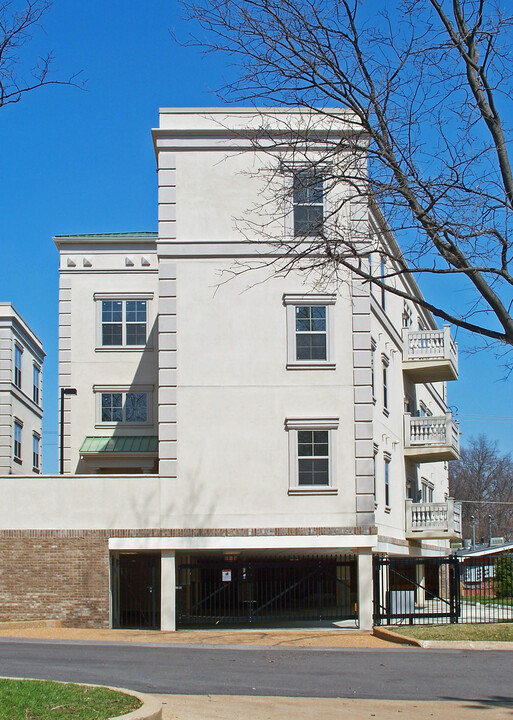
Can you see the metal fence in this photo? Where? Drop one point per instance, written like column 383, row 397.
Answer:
column 266, row 592
column 443, row 590
column 486, row 589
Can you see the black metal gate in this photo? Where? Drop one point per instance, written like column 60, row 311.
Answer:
column 416, row 590
column 266, row 592
column 135, row 582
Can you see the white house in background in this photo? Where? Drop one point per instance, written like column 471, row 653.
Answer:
column 241, row 443
column 21, row 404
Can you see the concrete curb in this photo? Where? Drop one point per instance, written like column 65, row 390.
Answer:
column 393, row 637
column 151, row 708
column 466, row 645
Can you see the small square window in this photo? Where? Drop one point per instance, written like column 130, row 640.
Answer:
column 123, row 323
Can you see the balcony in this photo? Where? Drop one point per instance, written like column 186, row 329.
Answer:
column 430, row 355
column 433, row 520
column 431, row 438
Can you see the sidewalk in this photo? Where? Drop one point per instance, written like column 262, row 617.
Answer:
column 227, row 707
column 345, row 637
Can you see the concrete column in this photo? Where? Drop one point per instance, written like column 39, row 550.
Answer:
column 365, row 589
column 168, row 590
column 421, row 582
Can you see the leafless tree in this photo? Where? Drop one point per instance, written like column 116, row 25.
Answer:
column 19, row 21
column 425, row 84
column 483, row 479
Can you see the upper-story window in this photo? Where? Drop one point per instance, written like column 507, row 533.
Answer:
column 383, row 272
column 312, row 455
column 17, row 440
column 407, row 315
column 36, row 384
column 130, row 407
column 36, row 452
column 308, row 202
column 124, row 322
column 18, row 353
column 384, row 365
column 387, row 460
column 309, row 331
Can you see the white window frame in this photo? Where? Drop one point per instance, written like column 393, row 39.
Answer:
column 18, row 371
column 123, row 390
column 36, row 388
column 427, row 491
column 387, row 459
column 17, row 444
column 293, row 426
column 291, row 301
column 313, row 171
column 36, row 466
column 123, row 297
column 385, row 364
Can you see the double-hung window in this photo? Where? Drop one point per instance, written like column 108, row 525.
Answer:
column 36, row 384
column 308, row 202
column 124, row 322
column 384, row 364
column 124, row 407
column 36, row 443
column 387, row 459
column 311, row 455
column 18, row 353
column 310, row 331
column 17, row 440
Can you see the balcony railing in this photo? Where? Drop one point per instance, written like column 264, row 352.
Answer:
column 430, row 355
column 431, row 438
column 433, row 520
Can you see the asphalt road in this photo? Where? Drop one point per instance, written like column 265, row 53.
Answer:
column 400, row 674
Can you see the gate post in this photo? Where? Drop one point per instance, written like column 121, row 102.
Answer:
column 167, row 590
column 365, row 589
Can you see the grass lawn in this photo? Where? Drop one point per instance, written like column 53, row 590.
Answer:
column 42, row 700
column 502, row 632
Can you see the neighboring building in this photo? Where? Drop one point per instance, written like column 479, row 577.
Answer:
column 242, row 441
column 477, row 568
column 21, row 400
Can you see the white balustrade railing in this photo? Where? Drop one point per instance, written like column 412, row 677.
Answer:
column 431, row 430
column 433, row 517
column 430, row 344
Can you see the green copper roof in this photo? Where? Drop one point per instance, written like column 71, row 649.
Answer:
column 120, row 444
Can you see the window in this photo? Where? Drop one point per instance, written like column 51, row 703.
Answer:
column 123, row 322
column 311, row 454
column 308, row 202
column 36, row 441
column 36, row 382
column 387, row 459
column 427, row 491
column 374, row 455
column 119, row 407
column 373, row 366
column 385, row 363
column 17, row 440
column 407, row 315
column 383, row 272
column 18, row 352
column 309, row 331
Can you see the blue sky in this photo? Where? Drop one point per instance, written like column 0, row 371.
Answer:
column 81, row 161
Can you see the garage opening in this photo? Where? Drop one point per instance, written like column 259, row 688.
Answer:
column 135, row 579
column 266, row 592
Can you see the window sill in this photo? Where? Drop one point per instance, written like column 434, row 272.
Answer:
column 123, row 348
column 37, row 471
column 18, row 460
column 388, row 509
column 124, row 425
column 311, row 366
column 386, row 412
column 315, row 490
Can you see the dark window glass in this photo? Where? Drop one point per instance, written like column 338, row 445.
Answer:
column 313, row 460
column 308, row 203
column 112, row 322
column 136, row 407
column 112, row 407
column 311, row 332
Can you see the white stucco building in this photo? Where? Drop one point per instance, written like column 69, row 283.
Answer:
column 244, row 437
column 21, row 406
